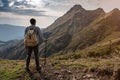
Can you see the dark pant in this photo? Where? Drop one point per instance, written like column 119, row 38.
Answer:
column 29, row 52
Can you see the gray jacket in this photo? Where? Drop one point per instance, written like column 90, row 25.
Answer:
column 38, row 32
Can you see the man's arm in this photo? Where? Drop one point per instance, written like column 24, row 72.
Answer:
column 25, row 31
column 41, row 38
column 24, row 36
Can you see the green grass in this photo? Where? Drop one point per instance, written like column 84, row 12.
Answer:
column 87, row 64
column 10, row 69
column 96, row 52
column 102, row 57
column 113, row 36
column 87, row 59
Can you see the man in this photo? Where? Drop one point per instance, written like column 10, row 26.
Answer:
column 33, row 39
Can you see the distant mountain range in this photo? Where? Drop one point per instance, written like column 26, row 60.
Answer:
column 11, row 32
column 74, row 31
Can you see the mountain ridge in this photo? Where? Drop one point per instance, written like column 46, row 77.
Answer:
column 15, row 32
column 73, row 33
column 85, row 46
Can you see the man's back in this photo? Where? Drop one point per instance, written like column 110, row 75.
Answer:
column 37, row 32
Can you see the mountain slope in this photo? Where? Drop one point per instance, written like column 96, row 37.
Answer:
column 74, row 20
column 61, row 31
column 104, row 26
column 7, row 48
column 68, row 25
column 74, row 31
column 2, row 42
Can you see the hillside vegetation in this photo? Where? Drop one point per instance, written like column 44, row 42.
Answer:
column 82, row 45
column 77, row 66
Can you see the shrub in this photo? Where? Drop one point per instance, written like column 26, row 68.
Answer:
column 100, row 52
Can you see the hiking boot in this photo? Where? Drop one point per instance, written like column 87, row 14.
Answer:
column 38, row 69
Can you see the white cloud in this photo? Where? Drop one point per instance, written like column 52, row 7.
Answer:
column 11, row 3
column 51, row 8
column 10, row 18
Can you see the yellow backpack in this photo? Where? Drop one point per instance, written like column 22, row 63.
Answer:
column 31, row 38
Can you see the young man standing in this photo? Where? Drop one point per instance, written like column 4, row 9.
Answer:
column 33, row 38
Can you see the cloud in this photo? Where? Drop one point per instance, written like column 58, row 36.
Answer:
column 23, row 11
column 10, row 18
column 47, row 10
column 49, row 7
column 5, row 3
column 34, row 7
column 22, row 7
column 18, row 12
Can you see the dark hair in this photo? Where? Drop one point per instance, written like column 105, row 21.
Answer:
column 32, row 21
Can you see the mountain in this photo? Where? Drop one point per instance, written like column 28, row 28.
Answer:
column 73, row 32
column 74, row 20
column 100, row 29
column 10, row 32
column 2, row 42
column 63, row 30
column 90, row 37
column 6, row 48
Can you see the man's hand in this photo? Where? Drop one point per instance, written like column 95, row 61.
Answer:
column 26, row 47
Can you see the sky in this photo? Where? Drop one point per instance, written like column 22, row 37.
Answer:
column 19, row 12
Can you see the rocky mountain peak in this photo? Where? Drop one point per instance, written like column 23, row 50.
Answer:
column 76, row 7
column 116, row 10
column 100, row 10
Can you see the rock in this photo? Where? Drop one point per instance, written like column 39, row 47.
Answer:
column 91, row 79
column 69, row 72
column 117, row 75
column 56, row 72
column 87, row 76
column 73, row 78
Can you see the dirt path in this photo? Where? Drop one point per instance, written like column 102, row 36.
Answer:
column 49, row 72
column 37, row 75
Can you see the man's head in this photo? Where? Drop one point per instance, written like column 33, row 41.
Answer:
column 32, row 21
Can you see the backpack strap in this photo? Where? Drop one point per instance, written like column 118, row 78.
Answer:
column 29, row 28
